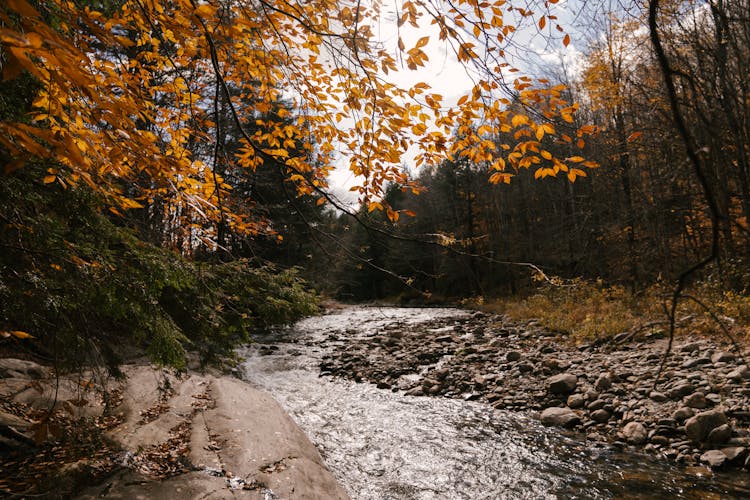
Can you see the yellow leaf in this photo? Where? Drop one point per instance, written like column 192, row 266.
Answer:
column 49, row 179
column 566, row 40
column 539, row 133
column 542, row 22
column 578, row 172
column 576, row 159
column 519, row 120
column 21, row 335
column 546, row 155
column 422, row 42
column 205, row 10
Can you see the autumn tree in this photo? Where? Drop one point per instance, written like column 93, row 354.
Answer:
column 127, row 93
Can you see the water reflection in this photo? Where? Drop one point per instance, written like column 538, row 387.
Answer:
column 383, row 445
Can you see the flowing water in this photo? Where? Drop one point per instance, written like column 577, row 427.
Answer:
column 384, row 445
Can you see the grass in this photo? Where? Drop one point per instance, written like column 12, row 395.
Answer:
column 590, row 310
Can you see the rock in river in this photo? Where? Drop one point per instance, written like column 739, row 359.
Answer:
column 700, row 426
column 635, row 433
column 714, row 458
column 560, row 417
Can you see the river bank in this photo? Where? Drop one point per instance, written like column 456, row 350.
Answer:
column 697, row 413
column 152, row 434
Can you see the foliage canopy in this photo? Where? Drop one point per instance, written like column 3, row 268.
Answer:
column 130, row 92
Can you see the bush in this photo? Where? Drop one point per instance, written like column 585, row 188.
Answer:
column 89, row 290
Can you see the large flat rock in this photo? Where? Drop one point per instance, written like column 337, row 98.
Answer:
column 240, row 443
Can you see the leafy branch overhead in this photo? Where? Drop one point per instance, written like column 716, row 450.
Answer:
column 128, row 96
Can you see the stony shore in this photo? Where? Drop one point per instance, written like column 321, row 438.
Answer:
column 697, row 413
column 153, row 434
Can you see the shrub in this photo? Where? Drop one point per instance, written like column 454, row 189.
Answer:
column 89, row 290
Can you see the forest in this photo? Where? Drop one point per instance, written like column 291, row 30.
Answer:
column 166, row 166
column 179, row 178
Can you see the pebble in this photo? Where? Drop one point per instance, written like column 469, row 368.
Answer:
column 513, row 356
column 696, row 400
column 564, row 383
column 576, row 401
column 714, row 458
column 634, row 433
column 600, row 416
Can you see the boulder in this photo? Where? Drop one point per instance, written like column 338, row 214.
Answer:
column 21, row 368
column 560, row 417
column 564, row 383
column 635, row 433
column 700, row 426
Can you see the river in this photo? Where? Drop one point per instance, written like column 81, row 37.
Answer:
column 383, row 445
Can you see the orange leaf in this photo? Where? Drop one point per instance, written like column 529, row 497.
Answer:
column 635, row 135
column 23, row 8
column 21, row 335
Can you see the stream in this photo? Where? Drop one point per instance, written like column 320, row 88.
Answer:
column 382, row 445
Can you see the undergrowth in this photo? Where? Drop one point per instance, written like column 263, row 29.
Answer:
column 590, row 310
column 91, row 292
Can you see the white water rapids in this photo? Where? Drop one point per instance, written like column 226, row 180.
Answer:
column 384, row 445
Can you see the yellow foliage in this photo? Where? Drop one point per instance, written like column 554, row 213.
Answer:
column 118, row 120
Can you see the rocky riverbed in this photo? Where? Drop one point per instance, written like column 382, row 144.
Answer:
column 697, row 413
